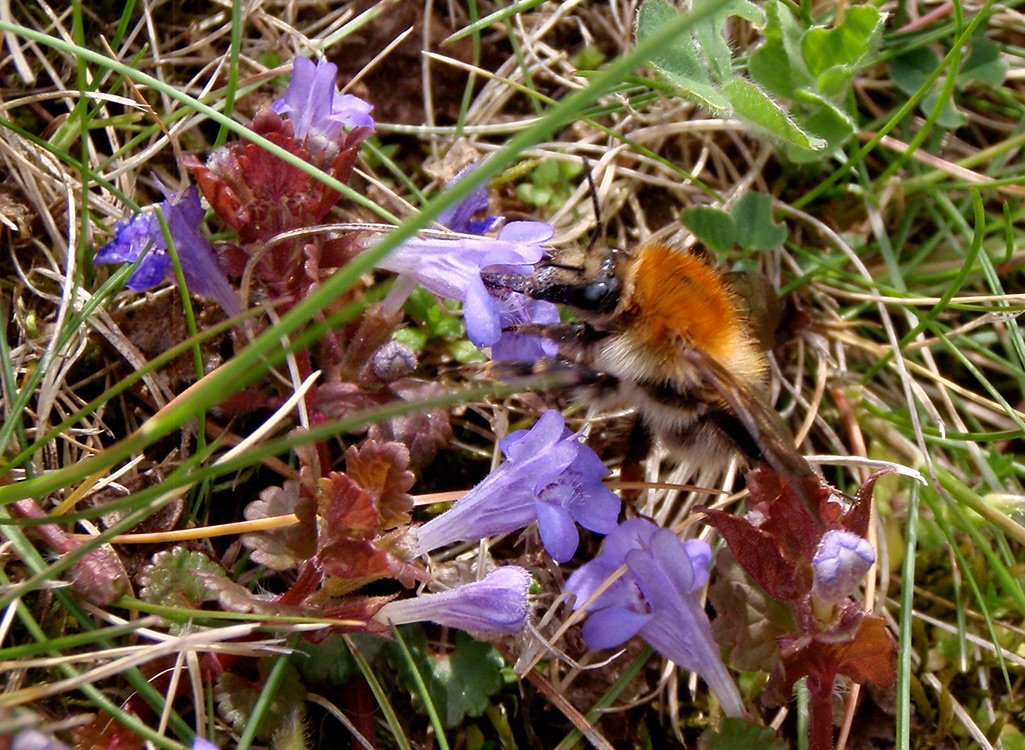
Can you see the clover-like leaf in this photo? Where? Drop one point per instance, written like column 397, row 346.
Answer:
column 713, row 226
column 755, row 228
column 171, row 580
column 708, row 31
column 911, row 71
column 382, row 470
column 777, row 64
column 984, row 64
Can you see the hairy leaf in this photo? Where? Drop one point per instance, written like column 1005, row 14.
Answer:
column 382, row 470
column 844, row 45
column 346, row 510
column 777, row 64
column 754, row 105
column 273, row 548
column 171, row 580
column 747, row 621
column 679, row 64
column 236, row 699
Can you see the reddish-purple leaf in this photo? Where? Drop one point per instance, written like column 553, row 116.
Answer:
column 381, row 469
column 346, row 509
column 760, row 555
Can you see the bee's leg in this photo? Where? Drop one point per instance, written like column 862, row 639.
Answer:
column 637, row 449
column 559, row 373
column 575, row 340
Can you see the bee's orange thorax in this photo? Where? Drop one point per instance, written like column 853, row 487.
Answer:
column 677, row 297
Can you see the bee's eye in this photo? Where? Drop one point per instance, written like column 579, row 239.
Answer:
column 599, row 294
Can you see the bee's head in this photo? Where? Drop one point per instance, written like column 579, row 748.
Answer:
column 588, row 283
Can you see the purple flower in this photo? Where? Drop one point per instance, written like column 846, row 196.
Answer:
column 392, row 361
column 549, row 476
column 459, row 218
column 498, row 604
column 840, row 562
column 34, row 739
column 515, row 309
column 201, row 744
column 656, row 598
column 142, row 234
column 314, row 106
column 452, row 267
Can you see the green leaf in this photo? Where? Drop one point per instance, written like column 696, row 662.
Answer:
column 414, row 338
column 984, row 65
column 949, row 116
column 752, row 104
column 713, row 226
column 777, row 64
column 709, row 36
column 471, row 675
column 465, row 353
column 824, row 119
column 680, row 65
column 330, row 661
column 237, row 697
column 752, row 216
column 459, row 684
column 733, row 733
column 911, row 69
column 171, row 579
column 843, row 45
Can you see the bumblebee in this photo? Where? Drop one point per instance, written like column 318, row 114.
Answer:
column 664, row 333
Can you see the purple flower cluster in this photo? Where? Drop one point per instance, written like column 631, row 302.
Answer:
column 657, row 598
column 549, row 476
column 314, row 106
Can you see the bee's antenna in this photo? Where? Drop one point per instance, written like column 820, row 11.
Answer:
column 599, row 226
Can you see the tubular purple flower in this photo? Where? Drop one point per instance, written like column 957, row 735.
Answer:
column 201, row 744
column 515, row 309
column 452, row 267
column 313, row 104
column 459, row 218
column 497, row 604
column 656, row 598
column 549, row 476
column 840, row 562
column 142, row 234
